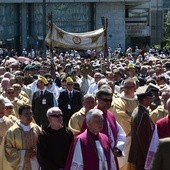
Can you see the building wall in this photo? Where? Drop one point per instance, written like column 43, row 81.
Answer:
column 76, row 16
column 9, row 22
column 74, row 1
column 157, row 22
column 115, row 13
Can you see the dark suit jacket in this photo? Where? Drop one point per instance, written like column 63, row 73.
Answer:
column 142, row 130
column 75, row 103
column 161, row 160
column 40, row 108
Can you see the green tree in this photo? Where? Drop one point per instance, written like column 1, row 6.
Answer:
column 167, row 28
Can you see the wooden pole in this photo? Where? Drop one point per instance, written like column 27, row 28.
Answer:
column 52, row 69
column 50, row 22
column 44, row 27
column 105, row 26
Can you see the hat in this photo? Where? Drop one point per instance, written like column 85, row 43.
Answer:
column 28, row 68
column 143, row 91
column 8, row 102
column 43, row 79
column 167, row 65
column 69, row 80
column 72, row 72
column 153, row 87
column 130, row 65
column 36, row 67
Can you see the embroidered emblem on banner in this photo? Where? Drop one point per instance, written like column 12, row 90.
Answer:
column 76, row 40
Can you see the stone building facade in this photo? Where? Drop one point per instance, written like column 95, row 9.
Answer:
column 24, row 22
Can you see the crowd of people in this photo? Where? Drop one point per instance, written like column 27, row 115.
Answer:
column 68, row 112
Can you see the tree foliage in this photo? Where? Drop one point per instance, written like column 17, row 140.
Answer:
column 168, row 29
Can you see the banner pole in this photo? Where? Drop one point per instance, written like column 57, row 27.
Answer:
column 105, row 26
column 52, row 68
column 44, row 28
column 50, row 20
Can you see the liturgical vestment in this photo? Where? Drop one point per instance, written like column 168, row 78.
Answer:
column 18, row 140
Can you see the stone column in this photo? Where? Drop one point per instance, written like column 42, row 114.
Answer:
column 24, row 25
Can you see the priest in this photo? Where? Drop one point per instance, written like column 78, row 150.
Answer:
column 20, row 141
column 91, row 150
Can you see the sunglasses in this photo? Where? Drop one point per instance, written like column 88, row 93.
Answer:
column 10, row 92
column 57, row 116
column 129, row 87
column 106, row 100
column 9, row 107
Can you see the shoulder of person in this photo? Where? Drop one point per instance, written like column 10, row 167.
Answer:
column 8, row 120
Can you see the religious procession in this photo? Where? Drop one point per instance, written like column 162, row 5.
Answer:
column 105, row 110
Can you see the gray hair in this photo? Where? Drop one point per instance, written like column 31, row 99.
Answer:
column 86, row 96
column 102, row 82
column 92, row 113
column 53, row 110
column 5, row 79
column 104, row 90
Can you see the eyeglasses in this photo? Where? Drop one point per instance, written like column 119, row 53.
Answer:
column 69, row 84
column 106, row 100
column 9, row 107
column 129, row 87
column 57, row 116
column 10, row 92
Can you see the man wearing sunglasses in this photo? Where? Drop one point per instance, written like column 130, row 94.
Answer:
column 10, row 95
column 122, row 107
column 54, row 143
column 5, row 122
column 69, row 101
column 20, row 141
column 42, row 100
column 111, row 127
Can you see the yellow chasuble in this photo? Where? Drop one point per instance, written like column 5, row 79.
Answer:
column 5, row 124
column 158, row 113
column 76, row 121
column 122, row 108
column 16, row 142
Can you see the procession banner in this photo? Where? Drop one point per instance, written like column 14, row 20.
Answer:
column 57, row 37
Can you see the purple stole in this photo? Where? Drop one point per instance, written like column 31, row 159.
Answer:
column 163, row 126
column 89, row 150
column 112, row 123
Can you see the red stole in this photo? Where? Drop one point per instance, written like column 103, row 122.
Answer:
column 163, row 126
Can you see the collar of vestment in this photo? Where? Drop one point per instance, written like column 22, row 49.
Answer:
column 2, row 119
column 122, row 95
column 82, row 111
column 15, row 100
column 92, row 135
column 144, row 107
column 25, row 128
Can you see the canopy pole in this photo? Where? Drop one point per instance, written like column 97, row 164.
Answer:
column 50, row 23
column 52, row 68
column 105, row 26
